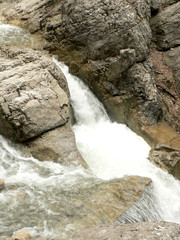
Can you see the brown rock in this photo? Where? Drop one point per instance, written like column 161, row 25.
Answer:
column 135, row 231
column 1, row 184
column 22, row 235
column 165, row 151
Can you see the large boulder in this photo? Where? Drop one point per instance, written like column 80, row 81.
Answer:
column 165, row 58
column 34, row 99
column 99, row 202
column 73, row 205
column 135, row 231
column 34, row 94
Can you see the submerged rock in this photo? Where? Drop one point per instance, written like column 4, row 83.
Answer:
column 135, row 231
column 99, row 203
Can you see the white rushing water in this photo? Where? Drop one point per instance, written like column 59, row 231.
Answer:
column 112, row 150
column 39, row 196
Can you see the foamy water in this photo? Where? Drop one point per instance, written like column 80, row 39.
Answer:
column 112, row 150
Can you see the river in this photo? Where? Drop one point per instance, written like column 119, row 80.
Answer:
column 36, row 195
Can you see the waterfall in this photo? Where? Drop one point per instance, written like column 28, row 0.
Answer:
column 38, row 195
column 112, row 150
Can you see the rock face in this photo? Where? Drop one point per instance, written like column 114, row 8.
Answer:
column 166, row 65
column 166, row 85
column 34, row 95
column 34, row 99
column 165, row 27
column 174, row 62
column 166, row 34
column 103, row 43
column 135, row 231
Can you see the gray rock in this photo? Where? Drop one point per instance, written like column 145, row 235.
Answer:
column 160, row 4
column 57, row 145
column 165, row 27
column 135, row 231
column 165, row 152
column 34, row 105
column 34, row 95
column 174, row 62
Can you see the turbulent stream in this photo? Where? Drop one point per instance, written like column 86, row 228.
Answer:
column 38, row 195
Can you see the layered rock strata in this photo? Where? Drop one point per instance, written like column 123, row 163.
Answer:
column 34, row 99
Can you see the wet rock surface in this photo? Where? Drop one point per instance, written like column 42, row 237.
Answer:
column 79, row 206
column 59, row 145
column 34, row 95
column 136, row 231
column 165, row 59
column 34, row 100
